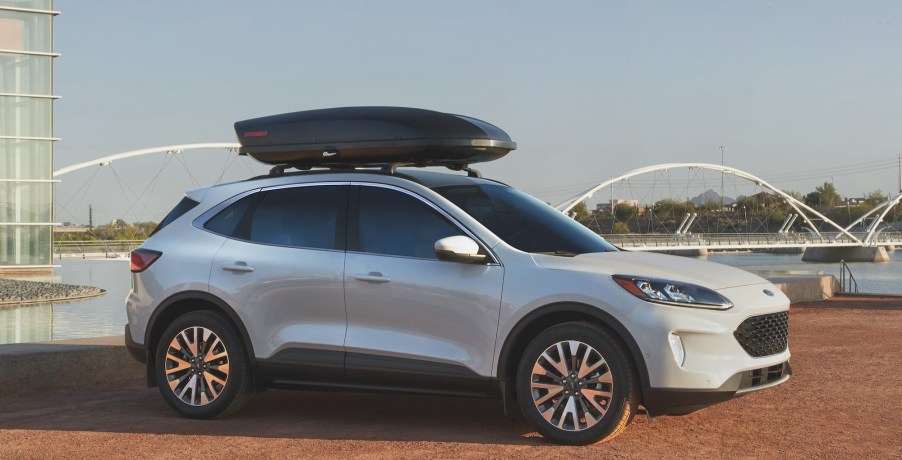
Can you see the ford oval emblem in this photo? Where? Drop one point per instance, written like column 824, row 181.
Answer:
column 769, row 293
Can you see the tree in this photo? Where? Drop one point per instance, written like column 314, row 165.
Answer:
column 620, row 228
column 763, row 200
column 580, row 212
column 874, row 198
column 748, row 202
column 672, row 207
column 824, row 196
column 624, row 211
column 712, row 205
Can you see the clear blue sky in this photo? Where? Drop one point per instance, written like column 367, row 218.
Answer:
column 799, row 92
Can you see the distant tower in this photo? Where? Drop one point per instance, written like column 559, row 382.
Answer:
column 90, row 218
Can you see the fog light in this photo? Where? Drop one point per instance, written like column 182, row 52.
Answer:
column 676, row 346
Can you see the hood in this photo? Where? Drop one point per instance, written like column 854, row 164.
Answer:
column 676, row 268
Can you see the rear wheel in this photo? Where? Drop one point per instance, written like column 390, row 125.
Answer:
column 575, row 384
column 202, row 367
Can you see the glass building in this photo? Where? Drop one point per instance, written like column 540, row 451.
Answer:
column 26, row 133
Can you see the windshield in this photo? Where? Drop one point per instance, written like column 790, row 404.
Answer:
column 523, row 221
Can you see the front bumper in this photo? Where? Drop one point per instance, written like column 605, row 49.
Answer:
column 696, row 357
column 669, row 401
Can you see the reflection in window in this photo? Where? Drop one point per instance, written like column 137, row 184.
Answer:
column 307, row 217
column 395, row 223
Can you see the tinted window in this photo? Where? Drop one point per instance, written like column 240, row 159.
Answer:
column 226, row 222
column 308, row 217
column 523, row 221
column 394, row 223
column 180, row 209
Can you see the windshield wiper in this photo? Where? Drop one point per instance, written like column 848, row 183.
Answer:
column 559, row 253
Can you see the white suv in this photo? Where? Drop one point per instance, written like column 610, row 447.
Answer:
column 438, row 283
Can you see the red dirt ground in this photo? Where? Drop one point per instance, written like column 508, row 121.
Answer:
column 844, row 400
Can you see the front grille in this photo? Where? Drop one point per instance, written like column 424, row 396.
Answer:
column 764, row 335
column 758, row 377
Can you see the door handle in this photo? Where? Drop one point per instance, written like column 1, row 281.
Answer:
column 238, row 267
column 372, row 277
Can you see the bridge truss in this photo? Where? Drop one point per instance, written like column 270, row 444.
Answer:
column 828, row 234
column 130, row 194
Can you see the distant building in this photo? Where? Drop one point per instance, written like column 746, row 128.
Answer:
column 613, row 203
column 26, row 133
column 607, row 207
column 69, row 229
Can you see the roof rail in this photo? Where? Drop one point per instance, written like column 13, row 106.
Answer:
column 387, row 168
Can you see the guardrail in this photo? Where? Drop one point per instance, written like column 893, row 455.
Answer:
column 106, row 248
column 116, row 248
column 744, row 240
column 845, row 274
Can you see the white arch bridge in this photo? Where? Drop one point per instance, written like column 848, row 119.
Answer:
column 869, row 231
column 802, row 226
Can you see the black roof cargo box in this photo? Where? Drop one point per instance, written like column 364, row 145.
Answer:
column 370, row 136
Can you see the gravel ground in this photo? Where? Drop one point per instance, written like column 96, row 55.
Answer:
column 842, row 402
column 16, row 291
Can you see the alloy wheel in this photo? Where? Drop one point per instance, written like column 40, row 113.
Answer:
column 571, row 385
column 197, row 366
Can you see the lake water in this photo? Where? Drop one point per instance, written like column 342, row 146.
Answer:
column 872, row 277
column 96, row 317
column 105, row 315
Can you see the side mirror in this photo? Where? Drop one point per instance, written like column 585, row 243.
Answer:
column 458, row 248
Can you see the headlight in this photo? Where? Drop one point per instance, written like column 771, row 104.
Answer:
column 672, row 292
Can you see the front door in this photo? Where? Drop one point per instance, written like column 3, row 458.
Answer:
column 414, row 320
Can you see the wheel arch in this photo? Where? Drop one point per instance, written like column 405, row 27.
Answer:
column 544, row 317
column 185, row 302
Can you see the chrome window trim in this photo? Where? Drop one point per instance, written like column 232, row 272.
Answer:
column 495, row 260
column 202, row 219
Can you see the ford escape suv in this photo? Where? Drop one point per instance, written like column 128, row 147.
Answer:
column 440, row 283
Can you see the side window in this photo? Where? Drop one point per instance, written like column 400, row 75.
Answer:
column 227, row 221
column 308, row 217
column 393, row 223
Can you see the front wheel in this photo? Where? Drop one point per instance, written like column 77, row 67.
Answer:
column 575, row 384
column 202, row 367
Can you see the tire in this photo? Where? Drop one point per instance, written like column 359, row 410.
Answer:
column 218, row 381
column 576, row 384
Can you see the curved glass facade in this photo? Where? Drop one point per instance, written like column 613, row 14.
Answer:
column 26, row 133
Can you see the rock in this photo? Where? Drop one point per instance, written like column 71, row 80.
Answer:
column 17, row 291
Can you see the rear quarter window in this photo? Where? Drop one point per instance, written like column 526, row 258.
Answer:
column 179, row 210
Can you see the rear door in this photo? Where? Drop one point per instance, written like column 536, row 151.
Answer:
column 414, row 320
column 282, row 271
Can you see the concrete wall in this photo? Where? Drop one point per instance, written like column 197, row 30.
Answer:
column 807, row 288
column 72, row 364
column 849, row 254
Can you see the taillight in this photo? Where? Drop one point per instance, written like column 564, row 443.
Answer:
column 143, row 258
